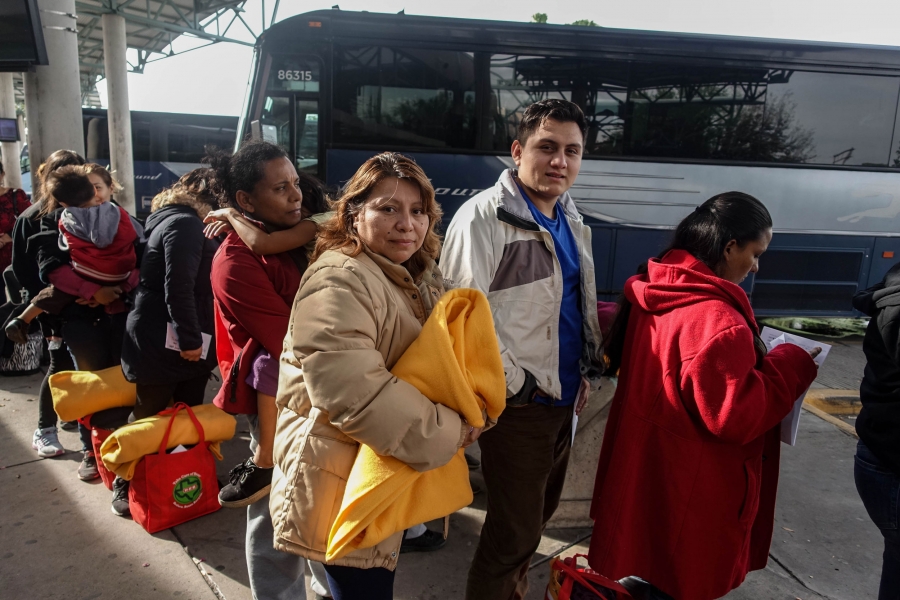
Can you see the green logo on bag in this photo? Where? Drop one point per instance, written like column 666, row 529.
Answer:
column 187, row 489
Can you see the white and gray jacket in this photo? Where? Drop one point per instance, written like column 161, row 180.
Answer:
column 493, row 244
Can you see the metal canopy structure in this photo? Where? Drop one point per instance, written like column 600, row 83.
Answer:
column 151, row 27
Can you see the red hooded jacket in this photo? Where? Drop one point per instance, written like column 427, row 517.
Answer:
column 253, row 296
column 685, row 490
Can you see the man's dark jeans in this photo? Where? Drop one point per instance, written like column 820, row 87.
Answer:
column 524, row 459
column 879, row 489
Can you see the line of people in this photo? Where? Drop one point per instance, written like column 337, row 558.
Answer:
column 305, row 305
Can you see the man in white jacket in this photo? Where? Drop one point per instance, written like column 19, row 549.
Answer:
column 524, row 244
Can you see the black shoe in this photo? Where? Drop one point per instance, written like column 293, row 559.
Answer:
column 473, row 462
column 68, row 425
column 17, row 330
column 120, row 498
column 247, row 483
column 87, row 470
column 427, row 542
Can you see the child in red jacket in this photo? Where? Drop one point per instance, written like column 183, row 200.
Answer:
column 99, row 238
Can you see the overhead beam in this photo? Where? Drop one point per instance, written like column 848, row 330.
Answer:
column 83, row 8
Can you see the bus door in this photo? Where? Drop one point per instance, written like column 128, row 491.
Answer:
column 288, row 114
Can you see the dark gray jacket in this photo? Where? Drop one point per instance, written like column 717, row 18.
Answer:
column 878, row 423
column 175, row 288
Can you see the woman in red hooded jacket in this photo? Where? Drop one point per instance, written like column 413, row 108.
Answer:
column 684, row 500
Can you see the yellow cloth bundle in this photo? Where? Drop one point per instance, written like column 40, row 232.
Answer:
column 456, row 362
column 80, row 393
column 127, row 445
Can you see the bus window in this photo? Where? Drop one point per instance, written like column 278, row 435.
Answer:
column 307, row 144
column 845, row 117
column 402, row 97
column 275, row 120
column 598, row 87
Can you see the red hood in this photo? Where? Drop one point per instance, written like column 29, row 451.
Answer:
column 679, row 279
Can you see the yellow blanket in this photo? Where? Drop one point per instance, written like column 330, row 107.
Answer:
column 456, row 362
column 80, row 393
column 127, row 445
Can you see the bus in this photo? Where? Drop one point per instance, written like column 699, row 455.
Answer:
column 165, row 145
column 809, row 128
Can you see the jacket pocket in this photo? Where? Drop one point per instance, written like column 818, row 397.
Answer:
column 752, row 468
column 319, row 484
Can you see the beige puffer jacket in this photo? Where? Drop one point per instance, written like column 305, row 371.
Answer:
column 352, row 319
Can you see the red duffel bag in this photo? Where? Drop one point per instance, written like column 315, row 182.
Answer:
column 170, row 489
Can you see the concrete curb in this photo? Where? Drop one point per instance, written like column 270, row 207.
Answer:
column 848, row 429
column 834, row 402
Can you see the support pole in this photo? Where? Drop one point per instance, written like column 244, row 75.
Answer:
column 10, row 150
column 118, row 113
column 53, row 92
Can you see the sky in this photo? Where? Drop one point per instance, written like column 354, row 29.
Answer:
column 213, row 79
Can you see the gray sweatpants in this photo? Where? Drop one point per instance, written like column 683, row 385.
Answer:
column 275, row 575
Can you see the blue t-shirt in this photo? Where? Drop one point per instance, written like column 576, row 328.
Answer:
column 571, row 338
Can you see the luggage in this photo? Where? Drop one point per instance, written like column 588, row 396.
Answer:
column 98, row 436
column 170, row 489
column 568, row 581
column 23, row 359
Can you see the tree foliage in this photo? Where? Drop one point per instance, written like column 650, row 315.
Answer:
column 585, row 23
column 539, row 18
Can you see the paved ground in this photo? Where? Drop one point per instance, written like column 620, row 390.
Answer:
column 58, row 538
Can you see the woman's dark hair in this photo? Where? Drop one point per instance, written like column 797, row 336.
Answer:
column 241, row 171
column 57, row 160
column 704, row 234
column 315, row 196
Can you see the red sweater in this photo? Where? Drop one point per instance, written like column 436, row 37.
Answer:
column 685, row 490
column 253, row 296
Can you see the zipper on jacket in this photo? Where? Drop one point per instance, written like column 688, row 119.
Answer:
column 235, row 369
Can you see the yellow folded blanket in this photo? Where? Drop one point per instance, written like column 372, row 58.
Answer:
column 127, row 445
column 456, row 362
column 80, row 393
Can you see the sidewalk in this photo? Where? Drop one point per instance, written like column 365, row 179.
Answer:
column 60, row 540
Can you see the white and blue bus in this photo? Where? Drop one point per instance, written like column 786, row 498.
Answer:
column 165, row 146
column 809, row 128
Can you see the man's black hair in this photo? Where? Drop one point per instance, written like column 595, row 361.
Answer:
column 562, row 111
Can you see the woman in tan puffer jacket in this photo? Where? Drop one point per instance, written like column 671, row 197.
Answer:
column 361, row 303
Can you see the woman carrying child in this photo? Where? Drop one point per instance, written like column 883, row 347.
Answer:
column 87, row 294
column 255, row 276
column 24, row 266
column 174, row 302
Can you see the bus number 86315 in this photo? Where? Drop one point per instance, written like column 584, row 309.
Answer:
column 295, row 75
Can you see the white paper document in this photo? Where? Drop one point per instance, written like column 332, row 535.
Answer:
column 172, row 341
column 772, row 337
column 574, row 426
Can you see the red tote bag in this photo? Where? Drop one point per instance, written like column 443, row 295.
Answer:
column 568, row 581
column 170, row 489
column 98, row 436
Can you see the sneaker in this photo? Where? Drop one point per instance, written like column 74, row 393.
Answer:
column 46, row 442
column 427, row 542
column 68, row 425
column 247, row 483
column 87, row 470
column 473, row 462
column 120, row 505
column 17, row 331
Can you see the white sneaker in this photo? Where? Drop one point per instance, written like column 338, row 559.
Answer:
column 46, row 442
